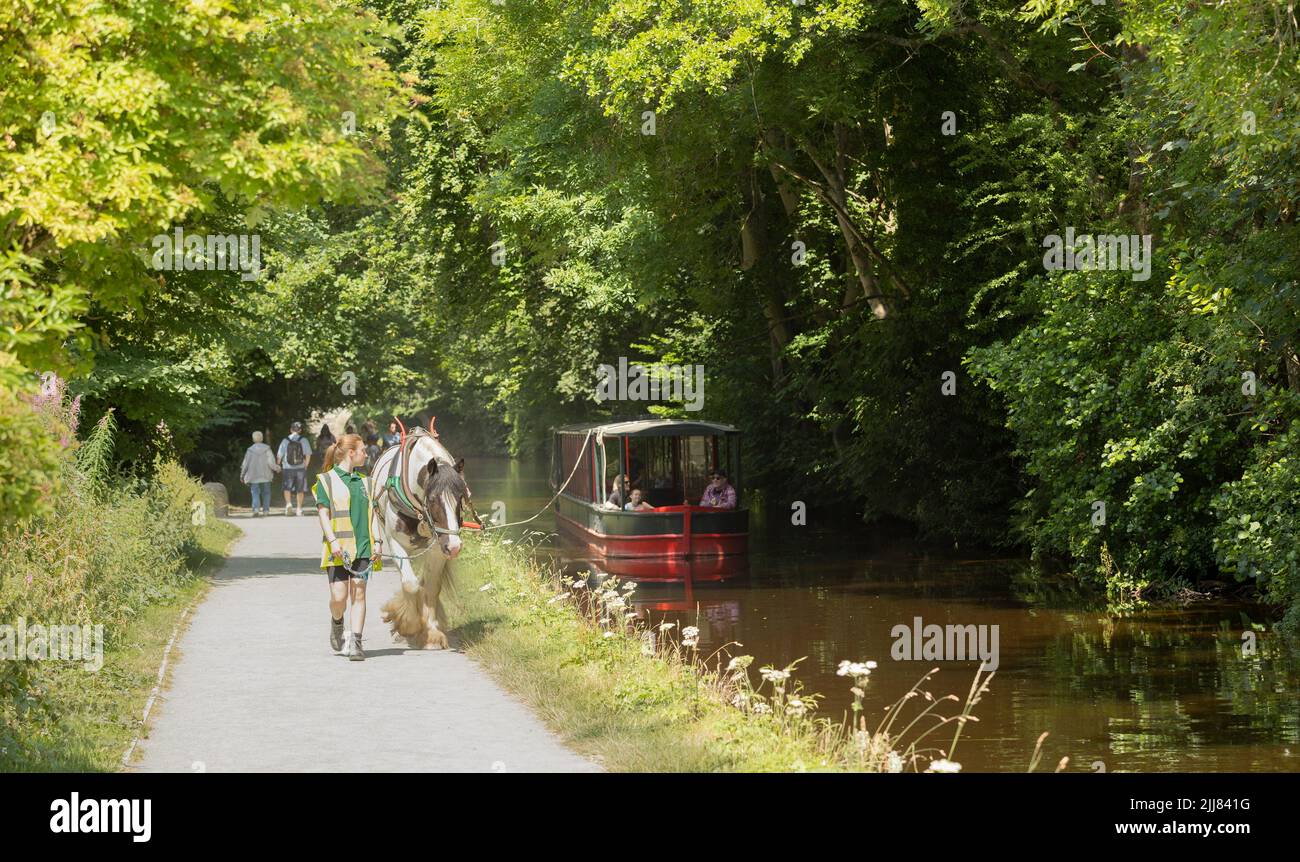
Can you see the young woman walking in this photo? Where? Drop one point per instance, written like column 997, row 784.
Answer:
column 349, row 530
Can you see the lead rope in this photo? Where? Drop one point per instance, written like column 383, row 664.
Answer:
column 347, row 565
column 485, row 527
column 572, row 473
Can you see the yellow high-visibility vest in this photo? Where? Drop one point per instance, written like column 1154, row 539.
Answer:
column 341, row 521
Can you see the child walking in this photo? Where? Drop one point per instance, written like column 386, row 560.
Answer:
column 351, row 544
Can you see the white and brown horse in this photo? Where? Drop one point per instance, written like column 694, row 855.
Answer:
column 422, row 517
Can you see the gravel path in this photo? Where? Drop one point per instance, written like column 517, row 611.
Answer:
column 256, row 687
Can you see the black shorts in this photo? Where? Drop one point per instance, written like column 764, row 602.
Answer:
column 340, row 573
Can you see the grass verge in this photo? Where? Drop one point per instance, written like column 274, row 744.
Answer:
column 640, row 700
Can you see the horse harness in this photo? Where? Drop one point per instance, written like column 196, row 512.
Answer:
column 399, row 492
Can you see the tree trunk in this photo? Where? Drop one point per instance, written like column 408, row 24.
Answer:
column 755, row 259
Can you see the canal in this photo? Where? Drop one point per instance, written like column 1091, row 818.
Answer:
column 1161, row 690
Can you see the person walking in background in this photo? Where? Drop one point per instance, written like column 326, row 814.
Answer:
column 325, row 438
column 391, row 437
column 373, row 451
column 292, row 456
column 258, row 469
column 350, row 536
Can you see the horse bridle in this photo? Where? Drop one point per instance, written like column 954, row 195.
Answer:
column 444, row 531
column 440, row 531
column 422, row 507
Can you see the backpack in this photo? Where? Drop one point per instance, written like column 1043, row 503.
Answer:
column 293, row 453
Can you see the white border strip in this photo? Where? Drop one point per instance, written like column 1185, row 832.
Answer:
column 153, row 695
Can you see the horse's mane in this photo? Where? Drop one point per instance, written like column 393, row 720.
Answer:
column 447, row 479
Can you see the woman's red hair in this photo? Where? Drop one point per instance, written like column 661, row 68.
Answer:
column 346, row 443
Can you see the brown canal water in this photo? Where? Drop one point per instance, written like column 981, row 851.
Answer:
column 1155, row 691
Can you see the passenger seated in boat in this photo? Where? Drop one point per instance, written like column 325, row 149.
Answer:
column 636, row 504
column 617, row 498
column 718, row 494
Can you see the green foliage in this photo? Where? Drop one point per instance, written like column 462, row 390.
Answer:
column 1173, row 401
column 792, row 215
column 36, row 430
column 100, row 556
column 1257, row 538
column 120, row 122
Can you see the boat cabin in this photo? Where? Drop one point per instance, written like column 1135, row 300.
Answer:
column 669, row 462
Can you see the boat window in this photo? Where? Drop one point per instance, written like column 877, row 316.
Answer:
column 697, row 464
column 575, row 447
column 614, row 458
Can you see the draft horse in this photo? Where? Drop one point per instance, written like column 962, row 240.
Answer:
column 418, row 490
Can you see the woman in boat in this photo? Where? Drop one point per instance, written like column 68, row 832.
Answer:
column 617, row 498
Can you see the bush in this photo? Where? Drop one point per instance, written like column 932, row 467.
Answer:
column 1131, row 394
column 1259, row 535
column 108, row 548
column 35, row 443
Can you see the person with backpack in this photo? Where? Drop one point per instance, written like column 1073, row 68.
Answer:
column 293, row 455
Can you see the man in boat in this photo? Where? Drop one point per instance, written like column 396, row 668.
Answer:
column 718, row 494
column 637, row 504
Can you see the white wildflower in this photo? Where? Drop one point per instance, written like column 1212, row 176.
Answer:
column 771, row 674
column 944, row 766
column 856, row 669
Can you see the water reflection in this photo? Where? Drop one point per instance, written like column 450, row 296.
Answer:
column 1163, row 690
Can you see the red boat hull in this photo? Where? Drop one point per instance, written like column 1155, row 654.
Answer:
column 667, row 533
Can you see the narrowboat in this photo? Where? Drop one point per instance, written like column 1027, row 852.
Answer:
column 669, row 462
column 579, row 556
